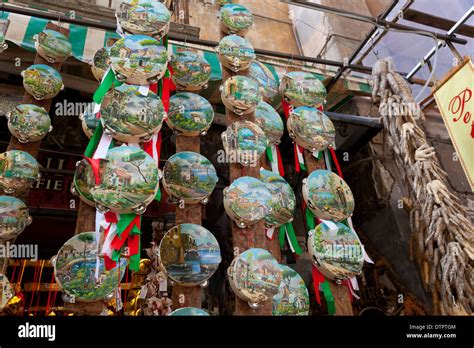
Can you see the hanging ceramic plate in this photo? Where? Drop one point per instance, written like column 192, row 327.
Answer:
column 190, row 114
column 292, row 298
column 129, row 181
column 129, row 116
column 4, row 24
column 18, row 170
column 303, row 89
column 89, row 121
column 283, row 200
column 74, row 269
column 84, row 182
column 244, row 142
column 53, row 46
column 138, row 60
column 336, row 251
column 311, row 129
column 42, row 81
column 191, row 72
column 235, row 19
column 189, row 177
column 100, row 63
column 14, row 217
column 29, row 123
column 270, row 121
column 328, row 196
column 189, row 312
column 267, row 81
column 247, row 201
column 235, row 53
column 255, row 276
column 6, row 291
column 189, row 254
column 241, row 94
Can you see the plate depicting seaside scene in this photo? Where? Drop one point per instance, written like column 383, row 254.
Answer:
column 42, row 81
column 191, row 72
column 190, row 114
column 29, row 122
column 301, row 88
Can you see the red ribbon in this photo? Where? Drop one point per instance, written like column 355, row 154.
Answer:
column 109, row 263
column 348, row 283
column 280, row 162
column 297, row 162
column 119, row 241
column 95, row 165
column 318, row 278
column 336, row 162
column 472, row 130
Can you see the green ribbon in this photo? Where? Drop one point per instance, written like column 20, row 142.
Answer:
column 288, row 229
column 104, row 87
column 329, row 297
column 94, row 142
column 134, row 260
column 158, row 195
column 125, row 221
column 310, row 219
column 303, row 167
column 116, row 255
column 269, row 154
column 281, row 236
column 318, row 155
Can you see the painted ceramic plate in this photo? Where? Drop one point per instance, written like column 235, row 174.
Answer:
column 189, row 254
column 100, row 63
column 267, row 81
column 28, row 122
column 292, row 298
column 189, row 312
column 255, row 275
column 191, row 72
column 244, row 142
column 328, row 196
column 303, row 89
column 75, row 267
column 336, row 252
column 235, row 19
column 18, row 170
column 84, row 182
column 270, row 121
column 89, row 121
column 241, row 94
column 53, row 46
column 235, row 52
column 129, row 116
column 311, row 129
column 190, row 114
column 138, row 60
column 283, row 200
column 42, row 81
column 6, row 291
column 14, row 217
column 4, row 24
column 129, row 181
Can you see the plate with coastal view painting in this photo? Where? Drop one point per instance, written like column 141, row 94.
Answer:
column 189, row 254
column 267, row 81
column 100, row 63
column 84, row 181
column 74, row 269
column 41, row 81
column 191, row 72
column 270, row 121
column 190, row 114
column 53, row 46
column 292, row 298
column 18, row 170
column 28, row 122
column 241, row 94
column 303, row 89
column 328, row 196
column 14, row 217
column 336, row 251
column 89, row 120
column 283, row 201
column 235, row 19
column 189, row 312
column 235, row 52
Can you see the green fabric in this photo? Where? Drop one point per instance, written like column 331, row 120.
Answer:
column 269, row 154
column 158, row 195
column 35, row 26
column 116, row 255
column 124, row 222
column 77, row 35
column 281, row 236
column 303, row 167
column 216, row 70
column 292, row 237
column 329, row 297
column 104, row 87
column 94, row 142
column 274, row 73
column 310, row 219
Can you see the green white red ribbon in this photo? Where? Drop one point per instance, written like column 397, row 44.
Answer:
column 287, row 231
column 274, row 157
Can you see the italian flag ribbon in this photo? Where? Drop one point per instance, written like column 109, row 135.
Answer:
column 287, row 231
column 320, row 283
column 298, row 150
column 108, row 80
column 274, row 157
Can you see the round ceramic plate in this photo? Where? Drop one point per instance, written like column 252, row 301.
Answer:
column 283, row 201
column 189, row 254
column 328, row 196
column 189, row 312
column 267, row 81
column 190, row 114
column 53, row 46
column 303, row 89
column 84, row 182
column 101, row 62
column 89, row 121
column 191, row 72
column 337, row 251
column 270, row 121
column 28, row 122
column 74, row 269
column 241, row 94
column 42, row 81
column 6, row 291
column 235, row 19
column 292, row 298
column 18, row 170
column 235, row 52
column 14, row 217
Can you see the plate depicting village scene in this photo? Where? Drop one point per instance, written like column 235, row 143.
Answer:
column 241, row 93
column 235, row 17
column 18, row 169
column 84, row 181
column 143, row 16
column 244, row 142
column 267, row 82
column 190, row 113
column 14, row 217
column 312, row 128
column 189, row 254
column 53, row 45
column 100, row 62
column 29, row 122
column 235, row 49
column 292, row 298
column 270, row 121
column 42, row 81
column 190, row 70
column 303, row 88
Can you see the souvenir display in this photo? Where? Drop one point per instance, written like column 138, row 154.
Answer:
column 191, row 72
column 129, row 181
column 53, row 46
column 255, row 276
column 241, row 94
column 129, row 116
column 100, row 63
column 267, row 81
column 4, row 23
column 29, row 123
column 235, row 19
column 6, row 291
column 244, row 142
column 89, row 121
column 235, row 53
column 283, row 200
column 247, row 201
column 336, row 251
column 311, row 129
column 328, row 196
column 293, row 297
column 303, row 89
column 189, row 312
column 189, row 254
column 138, row 60
column 190, row 114
column 14, row 217
column 42, row 81
column 75, row 267
column 18, row 170
column 270, row 121
column 189, row 177
column 84, row 181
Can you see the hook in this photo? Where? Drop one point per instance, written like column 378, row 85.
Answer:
column 375, row 52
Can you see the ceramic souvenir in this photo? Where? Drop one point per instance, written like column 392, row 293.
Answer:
column 4, row 23
column 267, row 81
column 328, row 196
column 18, row 170
column 29, row 123
column 84, row 182
column 189, row 254
column 311, row 129
column 75, row 266
column 283, row 200
column 336, row 251
column 235, row 53
column 138, row 60
column 189, row 177
column 42, row 81
column 191, row 72
column 190, row 114
column 53, row 46
column 303, row 89
column 129, row 181
column 189, row 312
column 89, row 121
column 292, row 298
column 254, row 276
column 270, row 121
column 100, row 63
column 6, row 291
column 129, row 116
column 235, row 19
column 244, row 142
column 14, row 217
column 241, row 94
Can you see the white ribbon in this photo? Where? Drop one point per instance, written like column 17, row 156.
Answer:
column 327, row 160
column 355, row 286
column 143, row 90
column 274, row 163
column 300, row 154
column 106, row 247
column 96, row 108
column 316, row 154
column 100, row 222
column 119, row 28
column 156, row 155
column 269, row 232
column 134, row 145
column 329, row 224
column 103, row 147
column 289, row 241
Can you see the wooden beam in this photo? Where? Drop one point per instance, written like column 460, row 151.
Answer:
column 436, row 22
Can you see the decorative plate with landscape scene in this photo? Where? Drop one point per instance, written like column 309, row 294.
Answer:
column 100, row 63
column 29, row 122
column 191, row 72
column 14, row 217
column 241, row 94
column 18, row 170
column 303, row 89
column 235, row 19
column 267, row 81
column 53, row 46
column 89, row 120
column 189, row 312
column 283, row 201
column 190, row 114
column 270, row 121
column 84, row 181
column 235, row 52
column 6, row 291
column 41, row 81
column 292, row 298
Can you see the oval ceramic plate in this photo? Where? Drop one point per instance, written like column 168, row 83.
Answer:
column 189, row 312
column 191, row 72
column 14, row 217
column 235, row 19
column 28, row 122
column 18, row 170
column 270, row 121
column 84, row 182
column 53, row 46
column 303, row 89
column 42, row 81
column 283, row 199
column 190, row 114
column 235, row 52
column 100, row 63
column 292, row 298
column 267, row 81
column 89, row 121
column 241, row 94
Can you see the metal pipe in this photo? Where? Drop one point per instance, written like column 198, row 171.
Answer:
column 364, row 121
